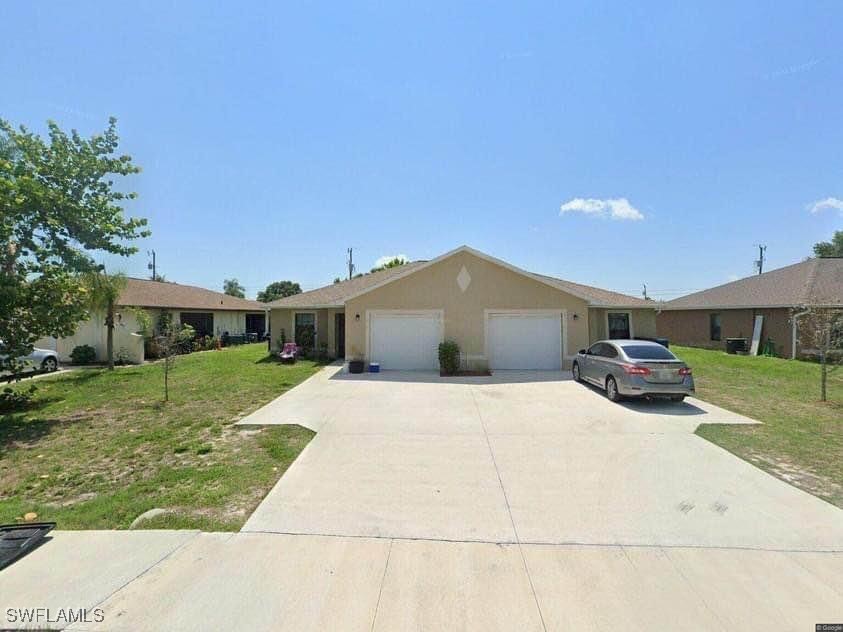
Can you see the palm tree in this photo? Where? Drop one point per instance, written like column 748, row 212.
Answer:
column 103, row 293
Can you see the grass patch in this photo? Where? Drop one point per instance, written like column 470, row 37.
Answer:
column 801, row 440
column 96, row 448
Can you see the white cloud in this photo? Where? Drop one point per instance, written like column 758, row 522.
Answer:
column 387, row 258
column 829, row 203
column 616, row 208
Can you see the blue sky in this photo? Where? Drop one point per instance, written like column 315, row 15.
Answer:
column 272, row 138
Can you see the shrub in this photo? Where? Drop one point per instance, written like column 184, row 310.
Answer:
column 12, row 400
column 83, row 354
column 449, row 357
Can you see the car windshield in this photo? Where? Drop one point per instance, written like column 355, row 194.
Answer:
column 647, row 352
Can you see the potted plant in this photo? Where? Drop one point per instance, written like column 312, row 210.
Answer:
column 355, row 363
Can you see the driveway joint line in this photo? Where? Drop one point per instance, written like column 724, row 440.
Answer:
column 383, row 581
column 693, row 589
column 714, row 547
column 167, row 556
column 508, row 509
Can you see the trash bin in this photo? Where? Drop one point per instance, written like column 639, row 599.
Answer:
column 736, row 345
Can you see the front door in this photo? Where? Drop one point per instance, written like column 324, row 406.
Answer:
column 618, row 325
column 339, row 334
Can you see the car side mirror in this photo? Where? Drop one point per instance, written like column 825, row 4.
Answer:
column 583, row 352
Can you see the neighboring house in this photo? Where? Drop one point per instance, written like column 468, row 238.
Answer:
column 209, row 313
column 502, row 317
column 707, row 318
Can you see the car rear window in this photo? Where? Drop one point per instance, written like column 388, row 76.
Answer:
column 647, row 352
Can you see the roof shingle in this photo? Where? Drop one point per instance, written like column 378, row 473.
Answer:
column 147, row 293
column 336, row 294
column 809, row 282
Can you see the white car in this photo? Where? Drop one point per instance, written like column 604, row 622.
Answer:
column 38, row 360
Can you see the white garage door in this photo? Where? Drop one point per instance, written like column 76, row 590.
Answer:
column 405, row 342
column 525, row 341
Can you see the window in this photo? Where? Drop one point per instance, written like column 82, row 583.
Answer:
column 305, row 330
column 608, row 351
column 714, row 326
column 618, row 325
column 202, row 322
column 594, row 349
column 647, row 352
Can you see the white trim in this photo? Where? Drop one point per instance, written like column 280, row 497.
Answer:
column 619, row 311
column 439, row 313
column 563, row 336
column 315, row 325
column 477, row 254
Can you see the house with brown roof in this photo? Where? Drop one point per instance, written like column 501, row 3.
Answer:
column 209, row 313
column 781, row 297
column 501, row 316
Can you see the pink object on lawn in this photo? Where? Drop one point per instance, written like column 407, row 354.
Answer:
column 289, row 351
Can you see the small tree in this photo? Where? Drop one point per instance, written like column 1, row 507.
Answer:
column 278, row 289
column 821, row 335
column 169, row 343
column 232, row 287
column 103, row 293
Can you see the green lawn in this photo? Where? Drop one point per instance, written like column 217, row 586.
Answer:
column 801, row 440
column 99, row 448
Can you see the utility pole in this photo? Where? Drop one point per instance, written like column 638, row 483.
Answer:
column 760, row 263
column 350, row 262
column 151, row 266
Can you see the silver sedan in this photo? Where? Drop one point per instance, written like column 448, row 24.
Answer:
column 634, row 368
column 38, row 360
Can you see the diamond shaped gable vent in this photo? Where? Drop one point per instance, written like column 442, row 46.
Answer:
column 463, row 279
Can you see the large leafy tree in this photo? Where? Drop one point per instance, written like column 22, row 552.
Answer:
column 58, row 205
column 278, row 289
column 103, row 294
column 232, row 287
column 833, row 248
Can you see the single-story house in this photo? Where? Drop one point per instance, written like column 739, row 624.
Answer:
column 708, row 318
column 208, row 312
column 502, row 317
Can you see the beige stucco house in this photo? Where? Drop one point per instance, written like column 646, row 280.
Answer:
column 502, row 317
column 209, row 312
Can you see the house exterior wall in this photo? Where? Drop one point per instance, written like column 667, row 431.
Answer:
column 284, row 319
column 127, row 341
column 127, row 336
column 690, row 327
column 491, row 287
column 642, row 321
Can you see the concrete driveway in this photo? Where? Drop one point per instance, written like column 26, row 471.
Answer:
column 517, row 502
column 524, row 457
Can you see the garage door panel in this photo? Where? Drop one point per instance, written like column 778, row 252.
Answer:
column 405, row 342
column 525, row 341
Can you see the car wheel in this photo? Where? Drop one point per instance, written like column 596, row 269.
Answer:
column 49, row 365
column 677, row 398
column 575, row 371
column 612, row 390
